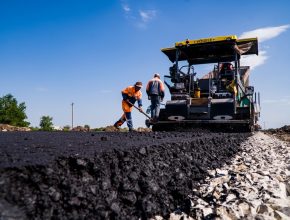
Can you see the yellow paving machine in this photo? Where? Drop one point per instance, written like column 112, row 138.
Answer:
column 223, row 99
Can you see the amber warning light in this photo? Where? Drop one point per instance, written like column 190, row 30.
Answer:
column 187, row 41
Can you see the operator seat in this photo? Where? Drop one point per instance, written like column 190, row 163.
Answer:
column 227, row 71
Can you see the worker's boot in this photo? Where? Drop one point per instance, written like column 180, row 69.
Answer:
column 119, row 123
column 155, row 119
column 132, row 130
column 116, row 126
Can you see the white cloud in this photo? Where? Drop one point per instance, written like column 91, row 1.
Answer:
column 141, row 25
column 106, row 91
column 264, row 34
column 282, row 101
column 146, row 16
column 126, row 8
column 253, row 60
column 41, row 89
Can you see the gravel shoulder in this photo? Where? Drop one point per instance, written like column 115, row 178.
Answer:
column 255, row 185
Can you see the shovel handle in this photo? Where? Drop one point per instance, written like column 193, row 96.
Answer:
column 141, row 111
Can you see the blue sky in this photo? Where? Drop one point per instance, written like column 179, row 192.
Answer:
column 53, row 53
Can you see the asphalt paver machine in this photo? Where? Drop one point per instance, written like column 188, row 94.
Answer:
column 223, row 99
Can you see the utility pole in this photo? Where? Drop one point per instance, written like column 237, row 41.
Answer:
column 72, row 115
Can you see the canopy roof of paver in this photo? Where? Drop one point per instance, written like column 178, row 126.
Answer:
column 212, row 50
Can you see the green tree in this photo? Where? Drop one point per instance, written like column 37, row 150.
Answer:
column 11, row 113
column 34, row 128
column 87, row 127
column 46, row 123
column 98, row 129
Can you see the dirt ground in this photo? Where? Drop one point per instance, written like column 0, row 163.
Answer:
column 282, row 133
column 5, row 127
column 79, row 128
column 113, row 129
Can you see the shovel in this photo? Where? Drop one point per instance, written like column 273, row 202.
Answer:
column 141, row 112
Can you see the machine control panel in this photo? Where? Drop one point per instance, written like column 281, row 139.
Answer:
column 179, row 86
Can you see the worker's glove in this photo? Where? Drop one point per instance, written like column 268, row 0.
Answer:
column 149, row 97
column 140, row 109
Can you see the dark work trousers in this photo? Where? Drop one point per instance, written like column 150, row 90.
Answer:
column 155, row 106
column 125, row 117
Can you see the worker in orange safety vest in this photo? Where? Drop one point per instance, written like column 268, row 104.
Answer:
column 130, row 94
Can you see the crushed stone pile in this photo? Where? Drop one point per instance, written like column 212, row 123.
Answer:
column 284, row 129
column 140, row 129
column 255, row 185
column 5, row 127
column 79, row 128
column 113, row 129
